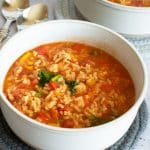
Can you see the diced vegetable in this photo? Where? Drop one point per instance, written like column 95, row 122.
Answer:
column 38, row 94
column 68, row 123
column 25, row 57
column 95, row 120
column 56, row 77
column 44, row 77
column 34, row 82
column 16, row 94
column 94, row 53
column 87, row 103
column 72, row 85
column 54, row 114
column 54, row 85
column 43, row 117
column 41, row 50
column 21, row 86
column 39, row 89
column 28, row 67
column 77, row 47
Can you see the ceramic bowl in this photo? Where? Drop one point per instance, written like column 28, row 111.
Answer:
column 127, row 20
column 46, row 137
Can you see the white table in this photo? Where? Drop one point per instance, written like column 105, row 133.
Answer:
column 144, row 142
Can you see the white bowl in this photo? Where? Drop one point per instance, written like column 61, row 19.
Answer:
column 128, row 20
column 47, row 137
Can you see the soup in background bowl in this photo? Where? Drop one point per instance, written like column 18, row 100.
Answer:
column 98, row 41
column 138, row 3
column 129, row 21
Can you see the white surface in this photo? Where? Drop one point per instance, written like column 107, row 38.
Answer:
column 144, row 141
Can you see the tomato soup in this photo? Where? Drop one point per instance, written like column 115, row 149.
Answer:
column 137, row 3
column 70, row 85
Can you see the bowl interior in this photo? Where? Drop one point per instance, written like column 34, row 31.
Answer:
column 76, row 31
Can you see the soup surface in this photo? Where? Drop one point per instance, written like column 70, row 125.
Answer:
column 138, row 3
column 69, row 85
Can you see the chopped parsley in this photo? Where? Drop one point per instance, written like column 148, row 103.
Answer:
column 96, row 120
column 56, row 77
column 44, row 77
column 71, row 85
column 94, row 53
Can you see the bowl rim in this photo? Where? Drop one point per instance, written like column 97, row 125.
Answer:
column 43, row 126
column 124, row 7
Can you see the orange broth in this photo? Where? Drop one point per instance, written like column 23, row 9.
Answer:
column 137, row 3
column 69, row 85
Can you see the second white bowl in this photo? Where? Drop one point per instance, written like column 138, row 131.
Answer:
column 128, row 20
